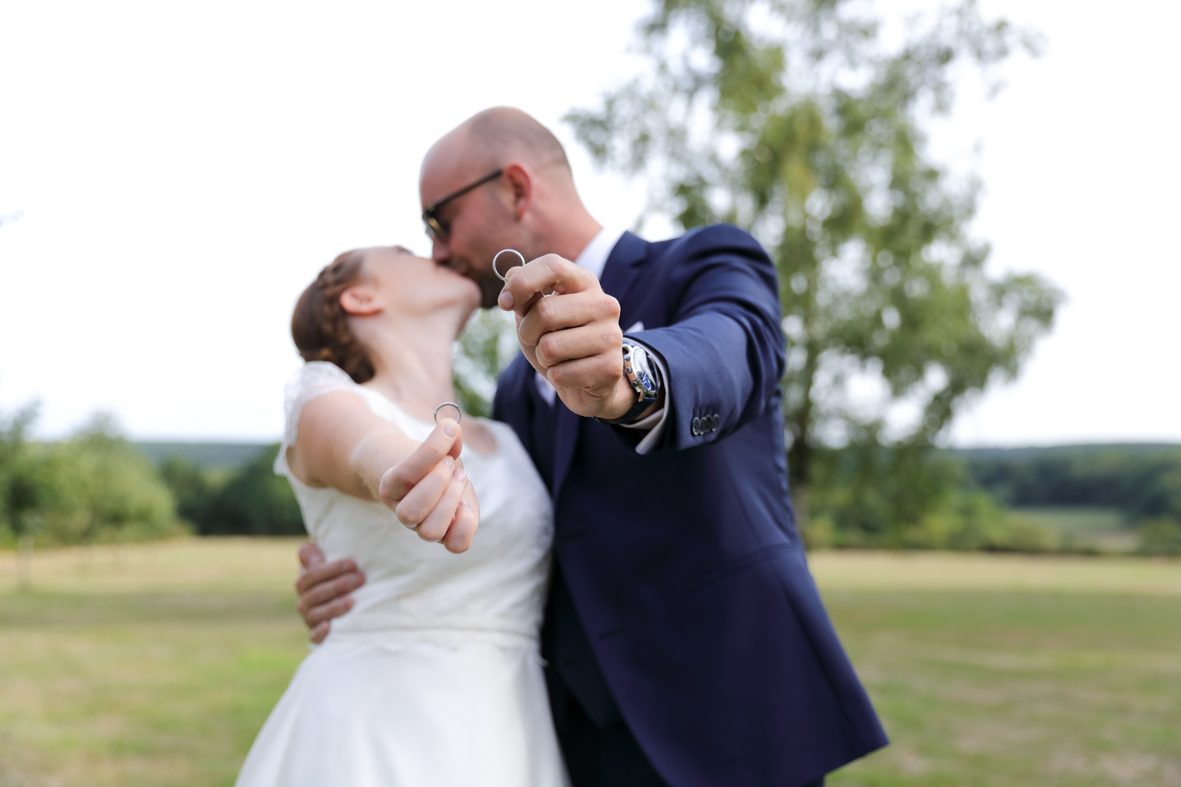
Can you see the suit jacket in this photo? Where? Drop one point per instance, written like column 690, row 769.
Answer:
column 692, row 593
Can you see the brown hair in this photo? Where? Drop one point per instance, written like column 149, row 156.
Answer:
column 320, row 325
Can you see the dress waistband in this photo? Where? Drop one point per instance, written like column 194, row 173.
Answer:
column 434, row 635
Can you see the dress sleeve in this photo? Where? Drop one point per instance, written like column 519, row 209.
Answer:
column 313, row 379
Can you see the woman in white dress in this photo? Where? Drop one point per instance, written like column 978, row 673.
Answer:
column 433, row 678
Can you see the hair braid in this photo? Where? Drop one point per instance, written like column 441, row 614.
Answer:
column 320, row 325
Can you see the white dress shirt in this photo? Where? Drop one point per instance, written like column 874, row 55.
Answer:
column 593, row 259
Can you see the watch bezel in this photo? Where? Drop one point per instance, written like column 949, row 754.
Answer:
column 639, row 373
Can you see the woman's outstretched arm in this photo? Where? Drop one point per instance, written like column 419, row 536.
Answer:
column 341, row 443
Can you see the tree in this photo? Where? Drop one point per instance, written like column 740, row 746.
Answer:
column 484, row 349
column 793, row 119
column 25, row 487
column 255, row 502
column 108, row 489
column 191, row 488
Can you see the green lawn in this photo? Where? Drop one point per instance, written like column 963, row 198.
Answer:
column 156, row 664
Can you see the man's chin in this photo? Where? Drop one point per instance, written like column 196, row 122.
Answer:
column 490, row 293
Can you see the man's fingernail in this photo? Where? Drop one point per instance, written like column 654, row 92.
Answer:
column 449, row 427
column 449, row 460
column 464, row 504
column 506, row 300
column 459, row 475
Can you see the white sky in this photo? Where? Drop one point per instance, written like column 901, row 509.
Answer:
column 184, row 170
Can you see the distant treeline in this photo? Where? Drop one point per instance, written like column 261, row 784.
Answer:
column 99, row 487
column 1143, row 482
column 249, row 500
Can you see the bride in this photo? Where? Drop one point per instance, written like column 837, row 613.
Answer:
column 433, row 677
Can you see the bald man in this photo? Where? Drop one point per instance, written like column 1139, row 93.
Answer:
column 685, row 640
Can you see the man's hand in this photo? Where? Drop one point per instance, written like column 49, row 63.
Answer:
column 429, row 490
column 324, row 589
column 571, row 337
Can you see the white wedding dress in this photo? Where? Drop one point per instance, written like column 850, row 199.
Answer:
column 433, row 678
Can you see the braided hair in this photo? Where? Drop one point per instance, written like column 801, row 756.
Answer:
column 320, row 325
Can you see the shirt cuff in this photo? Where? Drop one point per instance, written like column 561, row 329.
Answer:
column 654, row 422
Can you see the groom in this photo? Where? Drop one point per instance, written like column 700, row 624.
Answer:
column 686, row 641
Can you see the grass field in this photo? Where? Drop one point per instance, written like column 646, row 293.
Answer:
column 156, row 664
column 1102, row 529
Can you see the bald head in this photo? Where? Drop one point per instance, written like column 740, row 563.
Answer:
column 501, row 180
column 503, row 132
column 496, row 136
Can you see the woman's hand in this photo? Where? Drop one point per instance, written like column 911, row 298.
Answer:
column 341, row 443
column 430, row 493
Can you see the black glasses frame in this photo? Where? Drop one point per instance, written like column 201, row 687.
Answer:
column 434, row 227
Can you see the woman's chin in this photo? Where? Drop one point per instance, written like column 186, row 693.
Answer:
column 465, row 317
column 471, row 294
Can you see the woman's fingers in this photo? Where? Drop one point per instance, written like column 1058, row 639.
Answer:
column 446, row 440
column 421, row 500
column 463, row 528
column 425, row 490
column 434, row 527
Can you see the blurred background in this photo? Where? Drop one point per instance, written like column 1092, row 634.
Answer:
column 972, row 208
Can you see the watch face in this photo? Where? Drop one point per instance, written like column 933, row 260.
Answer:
column 647, row 383
column 639, row 373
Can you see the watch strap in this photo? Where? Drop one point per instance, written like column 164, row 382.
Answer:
column 644, row 381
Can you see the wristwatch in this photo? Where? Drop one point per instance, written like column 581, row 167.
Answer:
column 643, row 379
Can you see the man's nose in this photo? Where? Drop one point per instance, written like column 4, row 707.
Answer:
column 439, row 251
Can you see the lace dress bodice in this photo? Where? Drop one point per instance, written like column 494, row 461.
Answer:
column 434, row 678
column 496, row 586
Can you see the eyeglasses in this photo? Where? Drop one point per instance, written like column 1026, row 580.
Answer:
column 435, row 228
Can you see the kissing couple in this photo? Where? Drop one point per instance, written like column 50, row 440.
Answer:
column 603, row 585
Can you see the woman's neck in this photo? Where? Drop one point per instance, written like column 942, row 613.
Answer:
column 413, row 365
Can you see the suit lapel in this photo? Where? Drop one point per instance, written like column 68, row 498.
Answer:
column 616, row 281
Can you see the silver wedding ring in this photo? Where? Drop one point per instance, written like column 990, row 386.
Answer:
column 496, row 270
column 458, row 412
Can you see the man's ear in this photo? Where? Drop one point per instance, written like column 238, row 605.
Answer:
column 361, row 300
column 520, row 181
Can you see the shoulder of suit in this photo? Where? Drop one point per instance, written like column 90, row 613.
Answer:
column 713, row 236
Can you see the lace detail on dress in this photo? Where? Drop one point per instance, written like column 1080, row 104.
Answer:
column 314, row 379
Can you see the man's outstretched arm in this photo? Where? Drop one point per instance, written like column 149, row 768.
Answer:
column 721, row 357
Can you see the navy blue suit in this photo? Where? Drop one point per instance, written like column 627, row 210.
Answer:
column 682, row 602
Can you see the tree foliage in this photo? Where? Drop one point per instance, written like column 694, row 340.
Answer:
column 107, row 490
column 93, row 487
column 793, row 119
column 1143, row 485
column 484, row 349
column 253, row 501
column 25, row 484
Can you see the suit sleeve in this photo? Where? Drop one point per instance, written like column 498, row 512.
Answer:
column 724, row 347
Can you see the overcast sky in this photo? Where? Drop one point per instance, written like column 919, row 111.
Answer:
column 183, row 170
